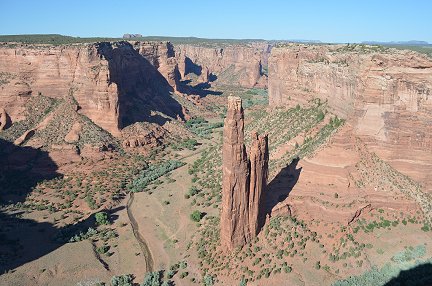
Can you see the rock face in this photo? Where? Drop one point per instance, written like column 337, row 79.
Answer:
column 114, row 84
column 74, row 134
column 385, row 94
column 4, row 119
column 235, row 184
column 162, row 56
column 259, row 157
column 230, row 65
column 243, row 181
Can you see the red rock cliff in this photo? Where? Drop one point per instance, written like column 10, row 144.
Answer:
column 384, row 93
column 114, row 84
column 230, row 65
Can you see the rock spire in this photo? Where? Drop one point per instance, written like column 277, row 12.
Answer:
column 243, row 180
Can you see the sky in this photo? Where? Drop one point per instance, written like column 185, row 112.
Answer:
column 327, row 21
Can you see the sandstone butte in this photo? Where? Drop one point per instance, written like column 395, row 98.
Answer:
column 244, row 181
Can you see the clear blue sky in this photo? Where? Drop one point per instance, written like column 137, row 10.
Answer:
column 328, row 21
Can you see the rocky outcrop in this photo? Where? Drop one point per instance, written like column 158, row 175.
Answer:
column 151, row 139
column 114, row 84
column 4, row 119
column 229, row 65
column 74, row 134
column 26, row 136
column 259, row 157
column 243, row 181
column 235, row 180
column 385, row 94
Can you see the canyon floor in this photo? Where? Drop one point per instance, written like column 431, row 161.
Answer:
column 336, row 212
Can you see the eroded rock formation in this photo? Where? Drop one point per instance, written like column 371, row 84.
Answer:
column 114, row 84
column 230, row 65
column 74, row 134
column 4, row 119
column 385, row 95
column 243, row 181
column 259, row 157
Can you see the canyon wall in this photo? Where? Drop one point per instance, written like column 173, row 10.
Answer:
column 120, row 83
column 243, row 182
column 114, row 84
column 228, row 65
column 385, row 94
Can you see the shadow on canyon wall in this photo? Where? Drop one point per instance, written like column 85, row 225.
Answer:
column 420, row 275
column 196, row 69
column 142, row 88
column 200, row 89
column 281, row 186
column 24, row 240
column 191, row 67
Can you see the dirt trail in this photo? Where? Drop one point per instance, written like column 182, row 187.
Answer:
column 143, row 245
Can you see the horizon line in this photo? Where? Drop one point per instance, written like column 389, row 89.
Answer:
column 394, row 42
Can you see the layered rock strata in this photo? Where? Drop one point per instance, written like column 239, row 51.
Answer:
column 228, row 65
column 114, row 84
column 385, row 94
column 243, row 180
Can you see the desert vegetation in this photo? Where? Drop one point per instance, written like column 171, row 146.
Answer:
column 149, row 215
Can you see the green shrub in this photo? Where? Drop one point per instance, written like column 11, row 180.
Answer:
column 425, row 227
column 287, row 269
column 152, row 173
column 208, row 280
column 152, row 279
column 193, row 191
column 410, row 254
column 170, row 274
column 320, row 116
column 102, row 249
column 102, row 218
column 196, row 216
column 122, row 280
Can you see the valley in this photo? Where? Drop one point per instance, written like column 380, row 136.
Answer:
column 112, row 166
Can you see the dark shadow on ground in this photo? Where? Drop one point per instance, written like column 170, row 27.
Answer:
column 24, row 240
column 279, row 188
column 200, row 89
column 420, row 275
column 21, row 169
column 142, row 89
column 212, row 77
